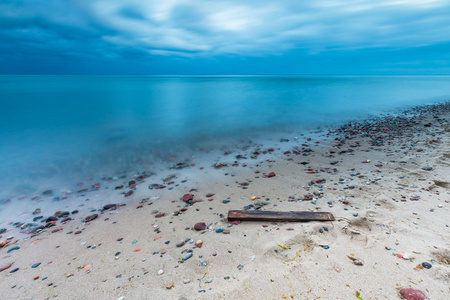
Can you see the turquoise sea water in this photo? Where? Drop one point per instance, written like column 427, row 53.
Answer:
column 74, row 126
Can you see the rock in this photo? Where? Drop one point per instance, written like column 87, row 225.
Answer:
column 109, row 206
column 187, row 256
column 3, row 243
column 160, row 215
column 169, row 286
column 200, row 226
column 426, row 265
column 63, row 214
column 35, row 265
column 358, row 262
column 226, row 231
column 57, row 213
column 271, row 174
column 427, row 168
column 5, row 266
column 160, row 272
column 209, row 195
column 188, row 197
column 180, row 243
column 186, row 281
column 199, row 243
column 90, row 218
column 411, row 294
column 225, row 201
column 12, row 249
column 47, row 193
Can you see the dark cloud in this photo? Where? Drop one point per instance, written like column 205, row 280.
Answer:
column 203, row 31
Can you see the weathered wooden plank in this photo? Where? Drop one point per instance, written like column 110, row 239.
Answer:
column 292, row 216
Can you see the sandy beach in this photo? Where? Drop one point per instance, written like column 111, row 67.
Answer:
column 385, row 180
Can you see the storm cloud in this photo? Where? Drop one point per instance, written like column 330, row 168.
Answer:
column 202, row 30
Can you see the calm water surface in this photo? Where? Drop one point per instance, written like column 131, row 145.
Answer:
column 73, row 126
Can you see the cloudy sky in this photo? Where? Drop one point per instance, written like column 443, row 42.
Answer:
column 225, row 37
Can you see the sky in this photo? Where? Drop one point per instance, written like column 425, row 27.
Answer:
column 225, row 37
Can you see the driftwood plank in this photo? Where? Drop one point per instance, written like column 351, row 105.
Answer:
column 293, row 216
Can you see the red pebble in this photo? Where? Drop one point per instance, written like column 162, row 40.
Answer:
column 399, row 255
column 410, row 294
column 187, row 197
column 36, row 278
column 271, row 174
column 235, row 222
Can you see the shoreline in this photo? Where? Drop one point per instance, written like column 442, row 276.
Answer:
column 390, row 213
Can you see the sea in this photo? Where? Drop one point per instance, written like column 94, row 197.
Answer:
column 59, row 130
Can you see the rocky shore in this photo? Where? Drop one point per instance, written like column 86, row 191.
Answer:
column 164, row 234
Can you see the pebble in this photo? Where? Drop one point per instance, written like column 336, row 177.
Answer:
column 187, row 256
column 5, row 266
column 186, row 281
column 411, row 294
column 160, row 272
column 271, row 174
column 13, row 248
column 358, row 262
column 225, row 201
column 188, row 197
column 199, row 243
column 180, row 243
column 169, row 286
column 426, row 265
column 200, row 226
column 35, row 265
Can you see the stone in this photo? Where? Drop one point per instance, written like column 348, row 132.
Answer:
column 109, row 206
column 426, row 265
column 271, row 174
column 91, row 217
column 180, row 243
column 160, row 272
column 200, row 226
column 199, row 243
column 411, row 294
column 188, row 197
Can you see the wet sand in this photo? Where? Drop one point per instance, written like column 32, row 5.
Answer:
column 386, row 181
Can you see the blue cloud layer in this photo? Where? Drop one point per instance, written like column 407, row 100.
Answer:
column 202, row 30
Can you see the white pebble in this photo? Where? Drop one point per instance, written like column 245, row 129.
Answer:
column 160, row 272
column 186, row 281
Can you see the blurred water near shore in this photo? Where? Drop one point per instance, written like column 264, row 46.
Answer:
column 60, row 129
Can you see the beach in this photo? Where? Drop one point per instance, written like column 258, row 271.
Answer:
column 386, row 181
